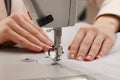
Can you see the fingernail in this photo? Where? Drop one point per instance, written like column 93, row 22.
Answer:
column 72, row 56
column 99, row 56
column 89, row 57
column 49, row 43
column 80, row 58
column 38, row 48
column 48, row 47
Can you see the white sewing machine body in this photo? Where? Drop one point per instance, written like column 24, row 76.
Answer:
column 63, row 12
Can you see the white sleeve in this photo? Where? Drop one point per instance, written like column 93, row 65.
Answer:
column 107, row 7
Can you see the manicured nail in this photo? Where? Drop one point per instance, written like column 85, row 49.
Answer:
column 49, row 43
column 48, row 47
column 80, row 58
column 99, row 56
column 38, row 49
column 89, row 57
column 72, row 56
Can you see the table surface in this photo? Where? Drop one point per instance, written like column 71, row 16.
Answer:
column 13, row 67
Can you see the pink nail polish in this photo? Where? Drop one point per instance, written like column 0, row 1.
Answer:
column 80, row 58
column 99, row 56
column 89, row 57
column 50, row 43
column 38, row 48
column 47, row 47
column 72, row 56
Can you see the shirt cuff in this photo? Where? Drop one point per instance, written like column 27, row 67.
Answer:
column 110, row 7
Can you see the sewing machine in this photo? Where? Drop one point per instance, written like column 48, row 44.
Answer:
column 55, row 14
column 19, row 64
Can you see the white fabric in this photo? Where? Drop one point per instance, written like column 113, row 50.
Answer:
column 107, row 68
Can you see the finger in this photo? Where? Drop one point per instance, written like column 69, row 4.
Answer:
column 76, row 43
column 95, row 48
column 22, row 41
column 107, row 44
column 31, row 29
column 37, row 27
column 19, row 30
column 86, row 44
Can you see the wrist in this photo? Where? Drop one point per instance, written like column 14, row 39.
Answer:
column 110, row 22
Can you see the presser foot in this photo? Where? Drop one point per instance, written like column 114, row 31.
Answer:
column 58, row 52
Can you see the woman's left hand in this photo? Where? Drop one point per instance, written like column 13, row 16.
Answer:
column 94, row 41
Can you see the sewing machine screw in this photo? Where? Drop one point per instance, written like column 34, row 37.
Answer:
column 27, row 60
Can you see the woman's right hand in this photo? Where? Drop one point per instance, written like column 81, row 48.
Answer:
column 18, row 28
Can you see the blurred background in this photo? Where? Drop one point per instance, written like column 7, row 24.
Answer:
column 86, row 11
